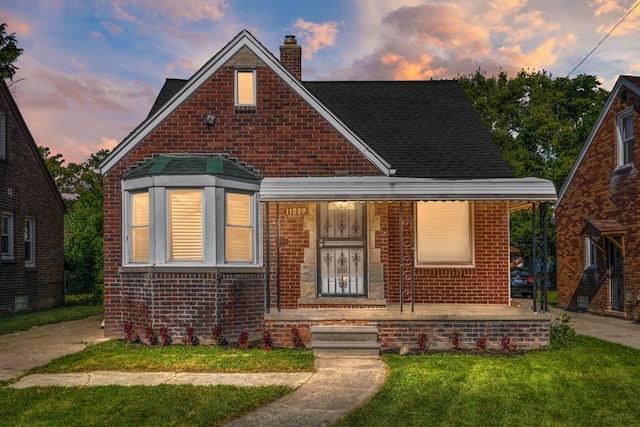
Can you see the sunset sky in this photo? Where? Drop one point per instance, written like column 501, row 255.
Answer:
column 91, row 69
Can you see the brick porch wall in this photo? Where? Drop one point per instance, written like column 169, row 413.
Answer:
column 528, row 334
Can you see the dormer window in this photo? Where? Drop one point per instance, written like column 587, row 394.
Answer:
column 625, row 137
column 245, row 88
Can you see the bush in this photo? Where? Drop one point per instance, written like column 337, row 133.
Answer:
column 561, row 331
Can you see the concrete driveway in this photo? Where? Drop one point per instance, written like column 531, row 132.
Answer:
column 23, row 350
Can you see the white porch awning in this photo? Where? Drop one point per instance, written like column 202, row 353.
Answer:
column 384, row 188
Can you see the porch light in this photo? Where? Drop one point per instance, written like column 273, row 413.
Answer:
column 210, row 120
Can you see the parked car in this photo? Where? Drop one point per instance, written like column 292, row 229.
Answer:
column 521, row 282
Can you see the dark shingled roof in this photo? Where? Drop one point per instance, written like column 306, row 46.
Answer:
column 424, row 129
column 191, row 165
column 170, row 87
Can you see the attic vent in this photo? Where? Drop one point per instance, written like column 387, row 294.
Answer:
column 22, row 303
column 583, row 301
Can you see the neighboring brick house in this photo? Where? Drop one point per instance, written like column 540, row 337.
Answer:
column 251, row 199
column 31, row 225
column 598, row 216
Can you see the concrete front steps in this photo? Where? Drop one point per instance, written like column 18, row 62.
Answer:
column 344, row 341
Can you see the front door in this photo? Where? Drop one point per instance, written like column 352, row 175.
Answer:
column 342, row 249
column 616, row 266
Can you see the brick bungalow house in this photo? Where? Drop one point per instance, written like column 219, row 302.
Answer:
column 597, row 213
column 31, row 224
column 253, row 200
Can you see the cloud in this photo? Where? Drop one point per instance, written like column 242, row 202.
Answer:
column 605, row 6
column 184, row 65
column 530, row 25
column 113, row 29
column 631, row 24
column 121, row 14
column 316, row 36
column 176, row 11
column 79, row 114
column 540, row 57
column 447, row 39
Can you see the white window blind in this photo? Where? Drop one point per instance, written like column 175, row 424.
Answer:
column 185, row 225
column 140, row 227
column 443, row 233
column 239, row 229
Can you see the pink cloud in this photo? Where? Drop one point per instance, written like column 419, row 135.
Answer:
column 316, row 36
column 79, row 114
column 184, row 65
column 180, row 11
column 14, row 26
column 113, row 29
column 605, row 6
column 121, row 14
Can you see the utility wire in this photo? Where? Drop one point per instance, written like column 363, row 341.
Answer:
column 605, row 37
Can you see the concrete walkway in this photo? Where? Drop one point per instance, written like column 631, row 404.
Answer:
column 621, row 331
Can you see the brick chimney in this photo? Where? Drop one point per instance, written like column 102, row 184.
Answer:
column 291, row 55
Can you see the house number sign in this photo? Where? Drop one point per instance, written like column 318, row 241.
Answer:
column 295, row 211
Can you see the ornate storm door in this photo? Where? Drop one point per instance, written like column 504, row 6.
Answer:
column 616, row 265
column 342, row 249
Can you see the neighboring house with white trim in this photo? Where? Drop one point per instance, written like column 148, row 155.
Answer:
column 597, row 213
column 253, row 200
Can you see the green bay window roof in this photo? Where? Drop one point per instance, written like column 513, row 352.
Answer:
column 192, row 165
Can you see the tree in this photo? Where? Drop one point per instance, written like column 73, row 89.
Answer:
column 539, row 123
column 83, row 222
column 9, row 53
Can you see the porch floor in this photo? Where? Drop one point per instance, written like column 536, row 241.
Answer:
column 438, row 312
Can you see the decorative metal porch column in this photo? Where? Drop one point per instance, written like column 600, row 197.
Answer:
column 539, row 242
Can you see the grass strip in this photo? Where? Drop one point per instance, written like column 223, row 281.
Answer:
column 116, row 355
column 163, row 405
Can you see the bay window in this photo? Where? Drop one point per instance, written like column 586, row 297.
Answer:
column 190, row 220
column 444, row 234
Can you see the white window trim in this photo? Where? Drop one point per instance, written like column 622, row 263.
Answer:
column 3, row 137
column 590, row 253
column 472, row 251
column 9, row 255
column 620, row 143
column 236, row 86
column 214, row 189
column 32, row 231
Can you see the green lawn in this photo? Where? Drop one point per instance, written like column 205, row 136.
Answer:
column 118, row 356
column 588, row 382
column 164, row 405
